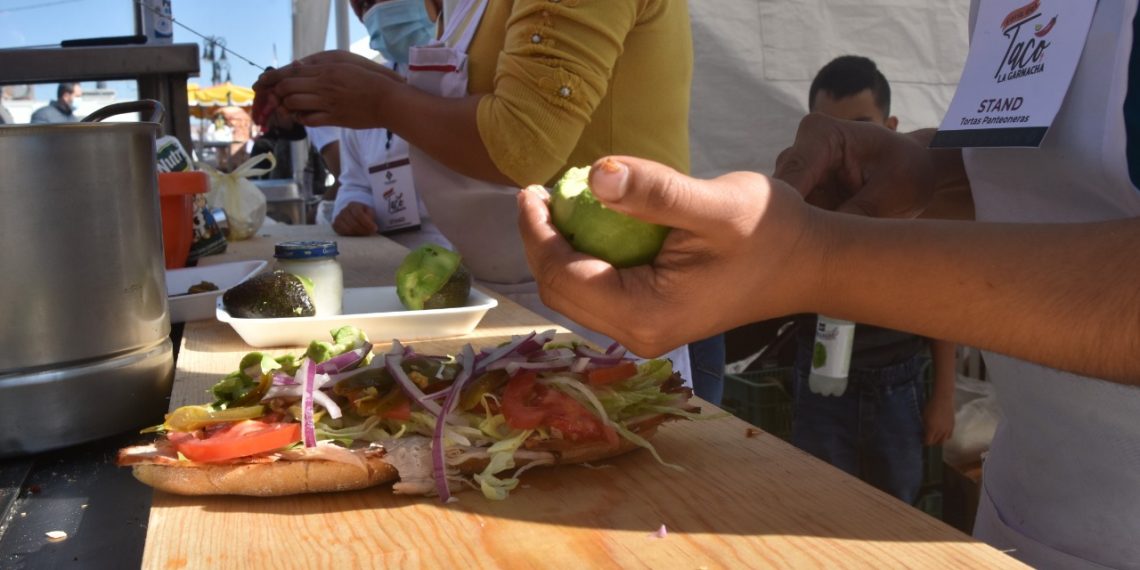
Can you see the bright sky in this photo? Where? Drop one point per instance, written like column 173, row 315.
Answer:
column 256, row 29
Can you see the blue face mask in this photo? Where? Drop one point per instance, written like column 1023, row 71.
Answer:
column 397, row 25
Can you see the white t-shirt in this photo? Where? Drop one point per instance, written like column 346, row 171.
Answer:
column 1062, row 480
column 361, row 149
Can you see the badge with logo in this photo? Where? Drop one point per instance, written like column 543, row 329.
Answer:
column 394, row 196
column 1022, row 60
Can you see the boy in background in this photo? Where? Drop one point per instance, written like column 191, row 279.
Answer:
column 876, row 429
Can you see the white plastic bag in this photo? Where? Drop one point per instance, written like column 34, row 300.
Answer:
column 242, row 201
column 975, row 421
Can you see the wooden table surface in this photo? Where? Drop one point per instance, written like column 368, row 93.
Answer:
column 741, row 502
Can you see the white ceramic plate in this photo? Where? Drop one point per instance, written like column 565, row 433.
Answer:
column 375, row 310
column 200, row 306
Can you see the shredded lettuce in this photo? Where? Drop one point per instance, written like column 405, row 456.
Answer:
column 345, row 432
column 634, row 397
column 238, row 384
column 345, row 338
column 580, row 392
column 502, row 458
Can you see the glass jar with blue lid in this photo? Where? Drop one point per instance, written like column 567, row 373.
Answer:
column 316, row 262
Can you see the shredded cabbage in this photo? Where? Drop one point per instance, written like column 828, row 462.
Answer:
column 502, row 458
column 580, row 391
column 370, row 430
column 345, row 338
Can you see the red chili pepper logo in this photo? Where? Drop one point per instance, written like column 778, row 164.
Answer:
column 1048, row 27
column 1020, row 14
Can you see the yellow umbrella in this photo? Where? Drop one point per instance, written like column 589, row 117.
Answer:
column 205, row 101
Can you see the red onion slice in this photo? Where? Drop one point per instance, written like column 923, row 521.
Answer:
column 308, row 378
column 327, row 403
column 283, row 379
column 580, row 364
column 290, row 391
column 505, row 350
column 393, row 361
column 561, row 364
column 345, row 361
column 438, row 459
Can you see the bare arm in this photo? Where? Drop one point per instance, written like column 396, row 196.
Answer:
column 346, row 90
column 445, row 128
column 1063, row 295
column 938, row 417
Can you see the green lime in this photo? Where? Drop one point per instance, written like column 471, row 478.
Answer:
column 594, row 229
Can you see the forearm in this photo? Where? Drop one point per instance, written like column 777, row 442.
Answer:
column 943, row 361
column 349, row 194
column 445, row 128
column 1062, row 295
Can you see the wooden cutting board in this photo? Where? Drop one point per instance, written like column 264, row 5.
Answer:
column 741, row 500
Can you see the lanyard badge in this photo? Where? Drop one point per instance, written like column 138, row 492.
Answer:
column 393, row 192
column 1022, row 60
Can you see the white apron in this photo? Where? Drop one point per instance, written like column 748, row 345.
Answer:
column 1061, row 484
column 478, row 217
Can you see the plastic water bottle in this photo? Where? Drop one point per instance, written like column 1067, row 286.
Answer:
column 831, row 356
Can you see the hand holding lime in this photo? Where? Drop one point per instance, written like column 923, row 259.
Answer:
column 596, row 230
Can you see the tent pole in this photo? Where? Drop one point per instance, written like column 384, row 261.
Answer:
column 342, row 39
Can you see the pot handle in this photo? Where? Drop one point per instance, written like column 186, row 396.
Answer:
column 157, row 112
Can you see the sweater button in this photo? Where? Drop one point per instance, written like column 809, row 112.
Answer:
column 565, row 92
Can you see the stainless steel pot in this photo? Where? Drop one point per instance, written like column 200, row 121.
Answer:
column 84, row 326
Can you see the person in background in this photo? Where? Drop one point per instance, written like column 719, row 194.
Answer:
column 1044, row 282
column 5, row 115
column 326, row 142
column 876, row 429
column 239, row 128
column 62, row 108
column 365, row 156
column 516, row 92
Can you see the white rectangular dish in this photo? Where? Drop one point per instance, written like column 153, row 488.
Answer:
column 375, row 310
column 200, row 306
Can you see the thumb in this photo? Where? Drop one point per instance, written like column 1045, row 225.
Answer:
column 801, row 169
column 655, row 193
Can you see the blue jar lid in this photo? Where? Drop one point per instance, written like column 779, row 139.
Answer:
column 305, row 249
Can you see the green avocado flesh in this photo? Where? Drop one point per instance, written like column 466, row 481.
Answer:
column 432, row 277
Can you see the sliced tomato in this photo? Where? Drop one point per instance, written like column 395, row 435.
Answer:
column 520, row 405
column 612, row 374
column 572, row 419
column 249, row 437
column 401, row 410
column 528, row 405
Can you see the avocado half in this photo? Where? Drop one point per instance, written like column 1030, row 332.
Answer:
column 432, row 277
column 271, row 296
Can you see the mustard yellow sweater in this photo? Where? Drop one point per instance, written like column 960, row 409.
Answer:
column 570, row 81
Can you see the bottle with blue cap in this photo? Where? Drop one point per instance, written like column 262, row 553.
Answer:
column 315, row 261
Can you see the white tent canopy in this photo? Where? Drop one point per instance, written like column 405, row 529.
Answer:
column 754, row 61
